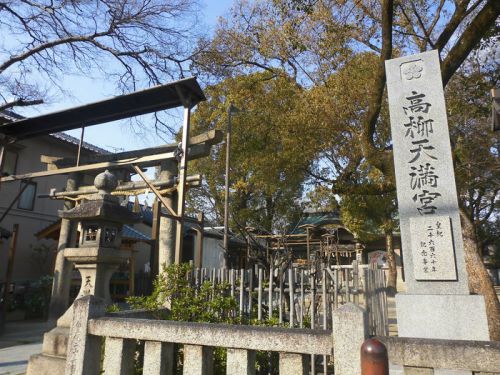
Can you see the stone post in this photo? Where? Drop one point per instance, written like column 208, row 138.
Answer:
column 240, row 362
column 84, row 351
column 198, row 248
column 166, row 241
column 158, row 358
column 59, row 300
column 350, row 330
column 198, row 360
column 293, row 363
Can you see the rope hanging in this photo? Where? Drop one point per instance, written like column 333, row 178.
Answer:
column 134, row 192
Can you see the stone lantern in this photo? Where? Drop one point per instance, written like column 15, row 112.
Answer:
column 101, row 219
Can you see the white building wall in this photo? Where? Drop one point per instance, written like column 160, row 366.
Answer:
column 213, row 253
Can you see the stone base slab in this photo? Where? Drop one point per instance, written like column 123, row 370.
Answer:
column 44, row 364
column 449, row 317
column 55, row 342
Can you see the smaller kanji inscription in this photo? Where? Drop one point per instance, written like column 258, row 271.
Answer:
column 432, row 247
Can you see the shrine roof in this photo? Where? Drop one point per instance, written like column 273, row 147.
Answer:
column 316, row 219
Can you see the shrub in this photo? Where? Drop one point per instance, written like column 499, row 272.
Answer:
column 207, row 303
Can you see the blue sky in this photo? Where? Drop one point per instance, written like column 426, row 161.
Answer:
column 119, row 135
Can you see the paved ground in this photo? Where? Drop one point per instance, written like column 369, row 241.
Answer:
column 18, row 343
column 14, row 359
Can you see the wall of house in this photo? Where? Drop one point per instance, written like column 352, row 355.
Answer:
column 27, row 266
column 142, row 249
column 213, row 253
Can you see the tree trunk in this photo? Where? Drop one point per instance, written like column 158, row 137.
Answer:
column 479, row 279
column 391, row 262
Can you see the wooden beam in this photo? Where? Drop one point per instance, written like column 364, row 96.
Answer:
column 155, row 191
column 50, row 159
column 210, row 137
column 10, row 267
column 120, row 107
column 181, row 186
column 195, row 152
column 202, row 141
column 92, row 167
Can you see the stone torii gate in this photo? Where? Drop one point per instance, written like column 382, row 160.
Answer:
column 172, row 160
column 169, row 222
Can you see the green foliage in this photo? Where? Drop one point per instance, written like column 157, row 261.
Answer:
column 41, row 258
column 204, row 304
column 271, row 147
column 113, row 308
column 369, row 217
column 37, row 298
column 171, row 288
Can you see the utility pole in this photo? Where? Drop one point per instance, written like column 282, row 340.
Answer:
column 230, row 111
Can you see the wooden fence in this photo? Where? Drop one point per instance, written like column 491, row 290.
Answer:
column 304, row 298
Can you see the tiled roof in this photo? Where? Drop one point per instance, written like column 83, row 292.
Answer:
column 131, row 233
column 12, row 116
column 75, row 141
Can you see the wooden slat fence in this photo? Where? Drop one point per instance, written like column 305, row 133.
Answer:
column 298, row 297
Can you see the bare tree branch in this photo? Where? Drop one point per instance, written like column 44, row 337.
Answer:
column 133, row 43
column 20, row 103
column 469, row 39
column 377, row 90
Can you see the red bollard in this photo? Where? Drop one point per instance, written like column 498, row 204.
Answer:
column 374, row 359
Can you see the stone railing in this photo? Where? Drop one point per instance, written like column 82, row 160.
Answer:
column 428, row 357
column 93, row 330
column 295, row 346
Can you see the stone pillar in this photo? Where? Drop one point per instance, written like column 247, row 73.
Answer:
column 437, row 303
column 158, row 358
column 59, row 300
column 166, row 240
column 84, row 352
column 292, row 363
column 350, row 330
column 198, row 248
